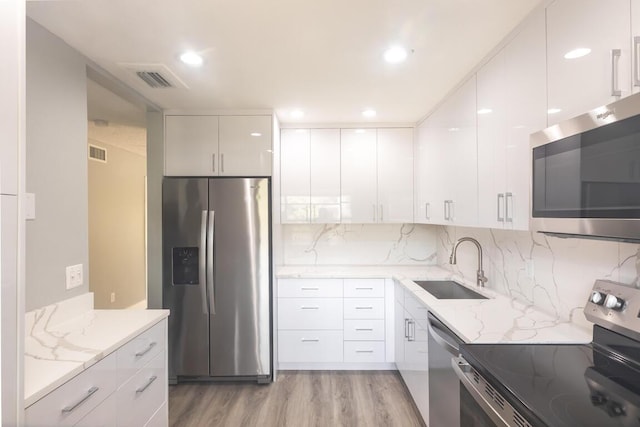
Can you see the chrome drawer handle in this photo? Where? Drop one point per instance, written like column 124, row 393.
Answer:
column 364, row 351
column 146, row 350
column 364, row 308
column 310, row 308
column 364, row 289
column 146, row 386
column 310, row 340
column 364, row 329
column 90, row 393
column 310, row 289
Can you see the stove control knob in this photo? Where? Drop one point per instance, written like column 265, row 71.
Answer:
column 614, row 303
column 597, row 298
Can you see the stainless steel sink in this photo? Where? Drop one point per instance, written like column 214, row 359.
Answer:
column 448, row 289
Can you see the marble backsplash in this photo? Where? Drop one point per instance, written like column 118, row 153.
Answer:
column 550, row 273
column 359, row 244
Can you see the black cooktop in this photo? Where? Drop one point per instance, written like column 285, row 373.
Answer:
column 568, row 385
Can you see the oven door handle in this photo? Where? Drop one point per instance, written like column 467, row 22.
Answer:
column 459, row 367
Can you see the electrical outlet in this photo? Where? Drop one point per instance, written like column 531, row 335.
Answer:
column 74, row 276
column 113, row 297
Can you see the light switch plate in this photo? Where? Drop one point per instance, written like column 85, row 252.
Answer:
column 74, row 276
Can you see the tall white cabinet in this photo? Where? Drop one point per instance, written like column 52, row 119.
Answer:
column 515, row 74
column 600, row 77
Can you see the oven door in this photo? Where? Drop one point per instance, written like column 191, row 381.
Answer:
column 480, row 404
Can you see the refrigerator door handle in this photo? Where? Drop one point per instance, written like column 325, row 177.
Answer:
column 202, row 261
column 210, row 282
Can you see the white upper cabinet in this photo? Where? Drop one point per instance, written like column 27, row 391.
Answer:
column 325, row 175
column 395, row 175
column 191, row 146
column 358, row 176
column 635, row 43
column 505, row 122
column 218, row 145
column 295, row 187
column 429, row 168
column 578, row 85
column 245, row 145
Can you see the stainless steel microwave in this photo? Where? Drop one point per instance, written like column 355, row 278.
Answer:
column 586, row 174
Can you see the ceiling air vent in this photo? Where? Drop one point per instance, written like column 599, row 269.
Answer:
column 98, row 154
column 155, row 76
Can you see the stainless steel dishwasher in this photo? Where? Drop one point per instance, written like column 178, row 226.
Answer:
column 444, row 384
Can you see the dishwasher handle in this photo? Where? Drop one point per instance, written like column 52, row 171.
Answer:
column 439, row 332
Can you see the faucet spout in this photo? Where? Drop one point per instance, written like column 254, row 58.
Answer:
column 481, row 278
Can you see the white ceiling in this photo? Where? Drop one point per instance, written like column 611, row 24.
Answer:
column 322, row 56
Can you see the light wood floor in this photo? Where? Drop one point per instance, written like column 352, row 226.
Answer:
column 298, row 399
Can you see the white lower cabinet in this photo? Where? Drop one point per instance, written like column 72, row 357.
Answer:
column 126, row 388
column 411, row 346
column 332, row 321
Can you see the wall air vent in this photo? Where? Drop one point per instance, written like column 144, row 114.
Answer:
column 98, row 154
column 155, row 76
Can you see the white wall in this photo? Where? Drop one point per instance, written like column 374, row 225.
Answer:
column 359, row 244
column 564, row 269
column 56, row 165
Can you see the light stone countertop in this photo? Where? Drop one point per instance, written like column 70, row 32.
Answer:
column 64, row 339
column 498, row 319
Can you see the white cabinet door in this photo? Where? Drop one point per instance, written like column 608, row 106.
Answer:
column 581, row 84
column 395, row 175
column 492, row 141
column 525, row 79
column 417, row 366
column 325, row 175
column 295, row 182
column 358, row 167
column 245, row 145
column 191, row 145
column 461, row 175
column 431, row 170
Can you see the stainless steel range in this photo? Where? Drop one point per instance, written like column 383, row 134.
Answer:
column 531, row 385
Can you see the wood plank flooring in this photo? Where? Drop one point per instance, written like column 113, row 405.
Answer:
column 298, row 399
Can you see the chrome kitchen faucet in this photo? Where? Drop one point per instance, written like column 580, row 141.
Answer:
column 481, row 279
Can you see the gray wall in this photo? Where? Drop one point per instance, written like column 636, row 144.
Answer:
column 56, row 163
column 155, row 170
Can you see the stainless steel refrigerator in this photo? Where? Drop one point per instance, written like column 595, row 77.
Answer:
column 217, row 277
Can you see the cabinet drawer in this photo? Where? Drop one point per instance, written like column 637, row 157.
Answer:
column 310, row 313
column 160, row 418
column 310, row 346
column 364, row 330
column 364, row 351
column 415, row 308
column 309, row 288
column 364, row 288
column 136, row 353
column 364, row 308
column 70, row 402
column 141, row 396
column 104, row 415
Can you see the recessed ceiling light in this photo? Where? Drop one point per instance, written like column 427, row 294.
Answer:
column 395, row 54
column 256, row 134
column 553, row 110
column 485, row 111
column 359, row 131
column 577, row 53
column 191, row 58
column 296, row 114
column 369, row 113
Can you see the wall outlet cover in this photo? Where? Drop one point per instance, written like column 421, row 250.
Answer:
column 74, row 276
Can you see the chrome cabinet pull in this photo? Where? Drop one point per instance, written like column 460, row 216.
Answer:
column 80, row 401
column 500, row 218
column 426, row 211
column 406, row 328
column 381, row 214
column 364, row 351
column 213, row 162
column 364, row 289
column 309, row 289
column 508, row 213
column 364, row 329
column 412, row 331
column 615, row 59
column 146, row 350
column 310, row 340
column 222, row 163
column 446, row 210
column 146, row 386
column 310, row 307
column 364, row 308
column 374, row 213
column 636, row 60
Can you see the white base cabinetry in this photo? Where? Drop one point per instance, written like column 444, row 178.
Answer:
column 334, row 324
